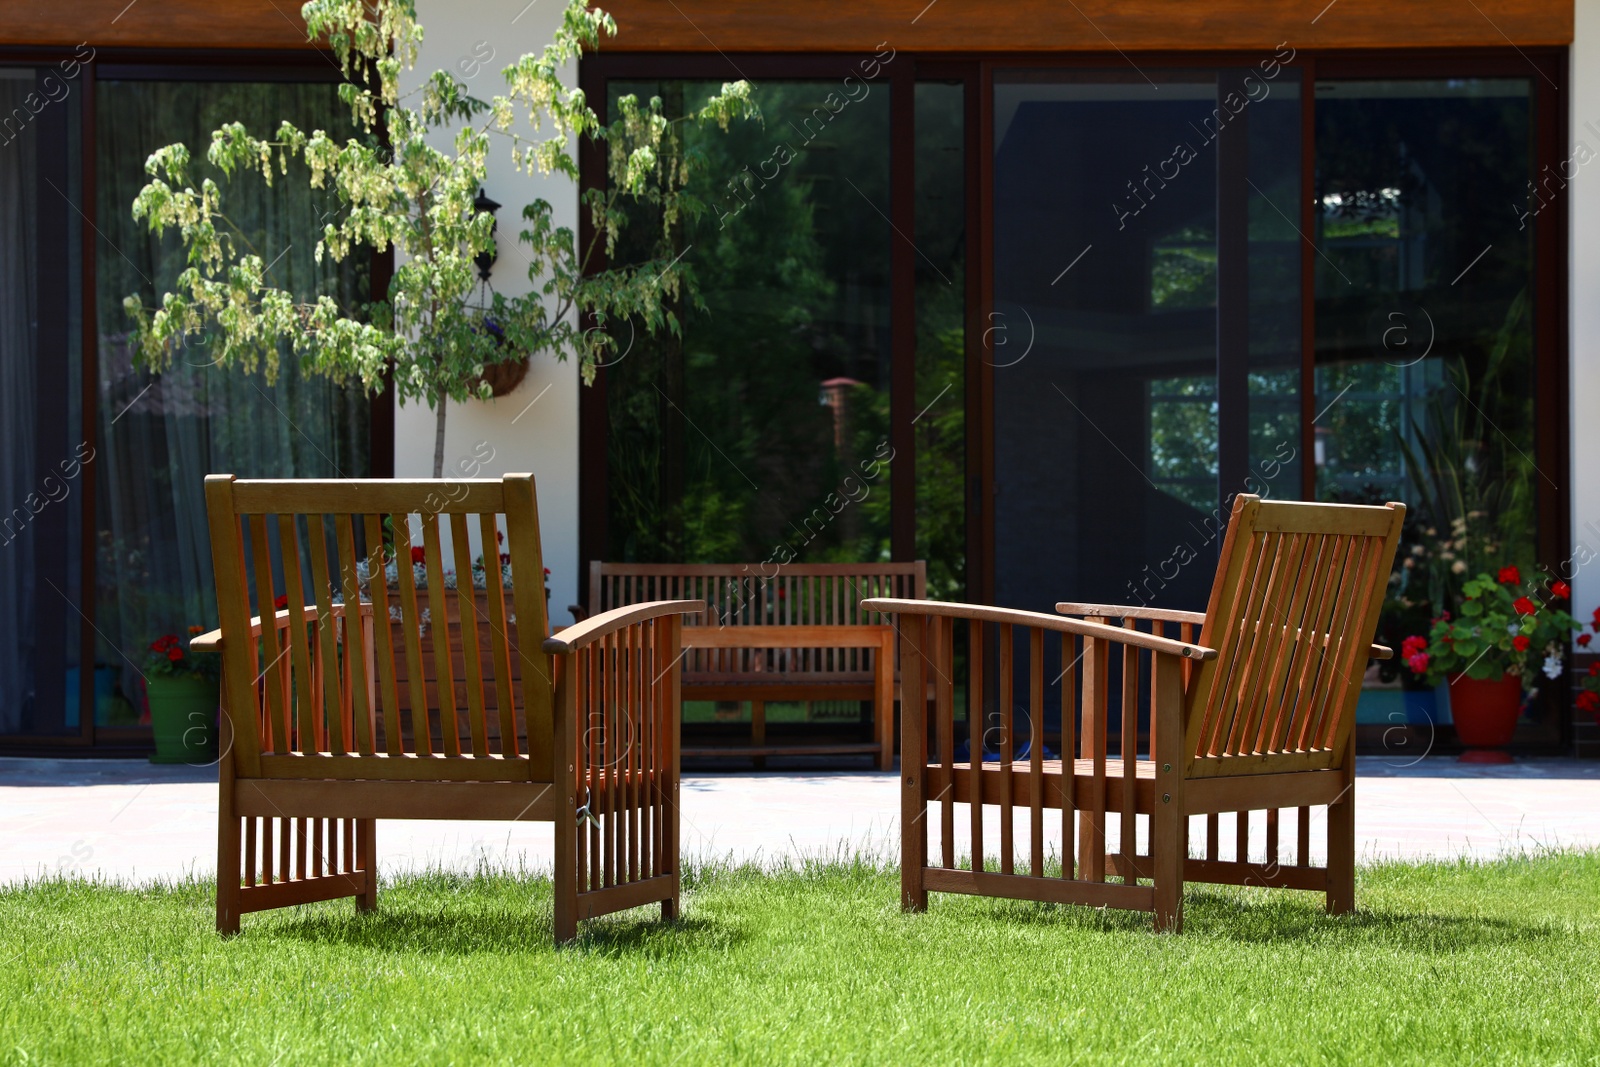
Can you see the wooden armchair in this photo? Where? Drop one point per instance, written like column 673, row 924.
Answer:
column 1253, row 713
column 317, row 747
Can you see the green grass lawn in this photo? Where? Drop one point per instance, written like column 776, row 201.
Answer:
column 1444, row 963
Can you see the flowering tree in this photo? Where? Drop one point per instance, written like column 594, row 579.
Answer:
column 418, row 200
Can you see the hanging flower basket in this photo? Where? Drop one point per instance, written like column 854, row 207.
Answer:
column 504, row 377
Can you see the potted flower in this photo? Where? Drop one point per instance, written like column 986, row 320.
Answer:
column 1505, row 634
column 181, row 688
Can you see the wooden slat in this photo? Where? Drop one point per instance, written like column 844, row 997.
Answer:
column 301, row 653
column 272, row 647
column 499, row 636
column 975, row 732
column 355, row 642
column 362, row 495
column 915, row 638
column 1045, row 890
column 1007, row 714
column 467, row 605
column 944, row 715
column 439, row 616
column 1320, row 599
column 1092, row 818
column 1036, row 748
column 627, row 895
column 383, row 767
column 378, row 584
column 411, row 632
column 328, row 660
column 1069, row 696
column 523, row 801
column 1128, row 836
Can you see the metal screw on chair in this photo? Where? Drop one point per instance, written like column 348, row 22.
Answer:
column 1166, row 768
column 1166, row 798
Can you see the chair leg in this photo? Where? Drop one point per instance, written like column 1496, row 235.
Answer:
column 228, row 844
column 1168, row 849
column 1342, row 852
column 671, row 907
column 229, row 830
column 367, row 850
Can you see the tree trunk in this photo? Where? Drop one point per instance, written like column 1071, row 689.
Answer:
column 438, row 435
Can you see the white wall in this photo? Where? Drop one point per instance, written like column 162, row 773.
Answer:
column 1584, row 295
column 477, row 40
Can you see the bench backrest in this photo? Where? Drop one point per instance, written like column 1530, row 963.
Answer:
column 1292, row 614
column 302, row 552
column 765, row 594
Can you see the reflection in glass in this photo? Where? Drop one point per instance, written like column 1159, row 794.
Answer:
column 1424, row 342
column 762, row 432
column 940, row 424
column 1104, row 337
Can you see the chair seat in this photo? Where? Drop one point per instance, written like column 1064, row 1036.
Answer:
column 1082, row 768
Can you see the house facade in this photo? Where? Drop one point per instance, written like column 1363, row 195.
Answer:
column 1029, row 291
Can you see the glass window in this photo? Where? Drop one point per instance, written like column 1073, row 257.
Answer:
column 160, row 436
column 1424, row 346
column 42, row 451
column 939, row 424
column 762, row 432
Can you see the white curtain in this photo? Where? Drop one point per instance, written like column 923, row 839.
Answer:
column 160, row 436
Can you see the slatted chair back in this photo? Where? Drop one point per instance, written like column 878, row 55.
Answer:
column 316, row 556
column 1292, row 611
column 757, row 594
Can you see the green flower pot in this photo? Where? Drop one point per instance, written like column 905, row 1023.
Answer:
column 183, row 717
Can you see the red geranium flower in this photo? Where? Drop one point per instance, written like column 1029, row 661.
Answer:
column 416, row 554
column 281, row 602
column 1418, row 662
column 1594, row 669
column 1584, row 639
column 1509, row 576
column 1412, row 645
column 1524, row 606
column 1588, row 700
column 499, row 537
column 1521, row 642
column 505, row 558
column 1560, row 590
column 175, row 654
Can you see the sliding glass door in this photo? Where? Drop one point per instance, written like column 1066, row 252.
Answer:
column 1144, row 339
column 42, row 451
column 159, row 436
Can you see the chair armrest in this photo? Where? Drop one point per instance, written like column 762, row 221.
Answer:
column 578, row 614
column 1380, row 651
column 213, row 642
column 597, row 626
column 1098, row 630
column 1124, row 611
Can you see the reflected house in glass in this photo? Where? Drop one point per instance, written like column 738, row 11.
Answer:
column 979, row 276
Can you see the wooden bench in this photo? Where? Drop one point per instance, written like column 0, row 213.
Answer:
column 770, row 633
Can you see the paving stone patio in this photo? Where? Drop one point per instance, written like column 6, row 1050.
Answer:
column 133, row 821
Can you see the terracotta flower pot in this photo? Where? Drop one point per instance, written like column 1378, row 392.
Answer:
column 1485, row 713
column 183, row 718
